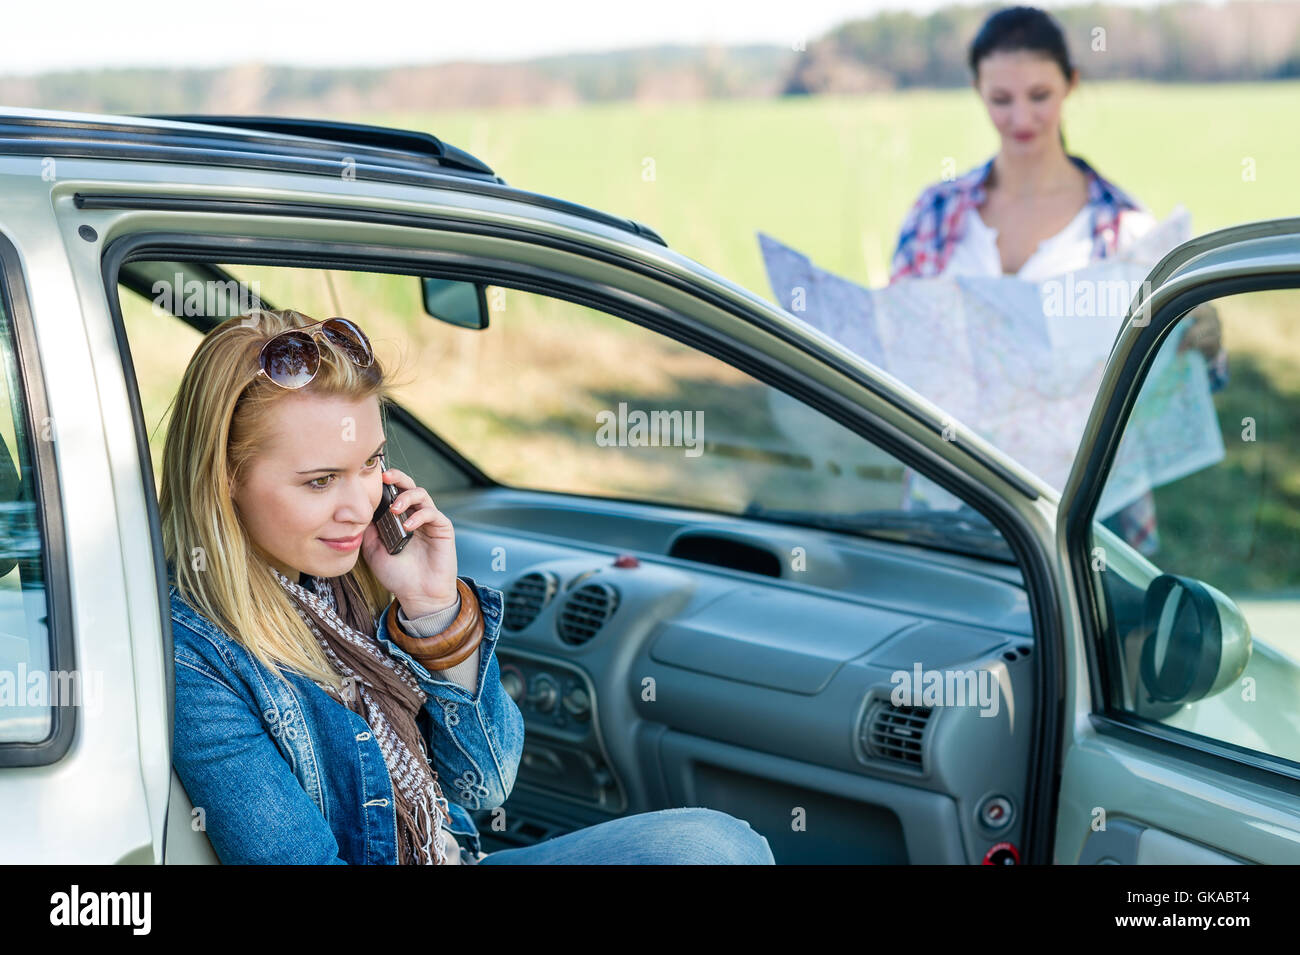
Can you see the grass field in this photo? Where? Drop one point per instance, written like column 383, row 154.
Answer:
column 834, row 177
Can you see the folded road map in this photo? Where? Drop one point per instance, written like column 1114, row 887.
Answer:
column 1019, row 362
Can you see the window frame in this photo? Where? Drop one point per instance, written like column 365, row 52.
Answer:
column 1265, row 769
column 213, row 249
column 1033, row 561
column 30, row 376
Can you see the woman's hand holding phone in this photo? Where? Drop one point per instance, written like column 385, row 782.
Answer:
column 422, row 576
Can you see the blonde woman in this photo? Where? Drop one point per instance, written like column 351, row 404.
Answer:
column 336, row 703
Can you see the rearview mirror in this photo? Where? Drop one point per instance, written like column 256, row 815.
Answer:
column 456, row 303
column 1197, row 640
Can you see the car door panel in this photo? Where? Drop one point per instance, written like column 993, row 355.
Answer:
column 1130, row 843
column 1145, row 778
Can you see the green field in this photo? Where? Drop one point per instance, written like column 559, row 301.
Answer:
column 834, row 176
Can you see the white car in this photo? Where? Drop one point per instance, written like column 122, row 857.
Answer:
column 725, row 618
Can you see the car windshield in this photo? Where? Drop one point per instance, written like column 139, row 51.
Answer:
column 555, row 396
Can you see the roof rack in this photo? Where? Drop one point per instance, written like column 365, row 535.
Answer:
column 380, row 138
column 313, row 147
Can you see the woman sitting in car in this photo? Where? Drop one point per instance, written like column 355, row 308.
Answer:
column 337, row 702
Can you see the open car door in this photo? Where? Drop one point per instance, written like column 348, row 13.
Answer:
column 1179, row 559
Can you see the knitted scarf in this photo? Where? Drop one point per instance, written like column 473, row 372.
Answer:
column 384, row 692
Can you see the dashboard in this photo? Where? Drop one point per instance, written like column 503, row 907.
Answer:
column 854, row 700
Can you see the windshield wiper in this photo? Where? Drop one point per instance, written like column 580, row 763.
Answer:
column 964, row 529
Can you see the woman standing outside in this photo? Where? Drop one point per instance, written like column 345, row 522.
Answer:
column 324, row 684
column 1033, row 210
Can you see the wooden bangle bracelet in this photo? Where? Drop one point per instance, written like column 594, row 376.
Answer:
column 450, row 646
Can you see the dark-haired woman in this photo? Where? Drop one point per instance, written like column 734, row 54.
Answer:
column 1033, row 210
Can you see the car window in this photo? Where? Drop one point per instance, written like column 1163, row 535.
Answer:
column 556, row 396
column 1206, row 485
column 161, row 345
column 27, row 694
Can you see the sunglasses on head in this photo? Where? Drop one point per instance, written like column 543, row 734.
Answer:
column 292, row 358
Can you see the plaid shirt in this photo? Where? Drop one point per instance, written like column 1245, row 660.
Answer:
column 937, row 222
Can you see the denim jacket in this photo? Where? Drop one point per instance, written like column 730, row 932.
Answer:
column 289, row 775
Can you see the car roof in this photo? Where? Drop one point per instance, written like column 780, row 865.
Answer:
column 313, row 146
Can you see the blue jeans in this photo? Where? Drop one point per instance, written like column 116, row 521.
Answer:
column 688, row 835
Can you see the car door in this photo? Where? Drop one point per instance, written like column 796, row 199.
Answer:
column 112, row 213
column 658, row 291
column 1178, row 569
column 83, row 759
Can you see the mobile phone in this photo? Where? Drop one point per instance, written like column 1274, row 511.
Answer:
column 389, row 525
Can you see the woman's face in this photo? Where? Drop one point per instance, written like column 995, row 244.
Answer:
column 1023, row 92
column 318, row 479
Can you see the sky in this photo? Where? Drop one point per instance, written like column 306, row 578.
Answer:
column 85, row 34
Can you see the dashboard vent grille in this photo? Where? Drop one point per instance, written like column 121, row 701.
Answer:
column 895, row 733
column 526, row 598
column 586, row 611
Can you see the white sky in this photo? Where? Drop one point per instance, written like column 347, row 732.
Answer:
column 81, row 34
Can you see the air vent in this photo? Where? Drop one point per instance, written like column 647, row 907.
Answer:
column 526, row 598
column 895, row 733
column 586, row 611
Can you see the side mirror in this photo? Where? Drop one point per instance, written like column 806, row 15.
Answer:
column 456, row 303
column 1197, row 640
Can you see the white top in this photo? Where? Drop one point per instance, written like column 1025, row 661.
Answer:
column 976, row 253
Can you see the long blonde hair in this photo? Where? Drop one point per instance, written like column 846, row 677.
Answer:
column 219, row 423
